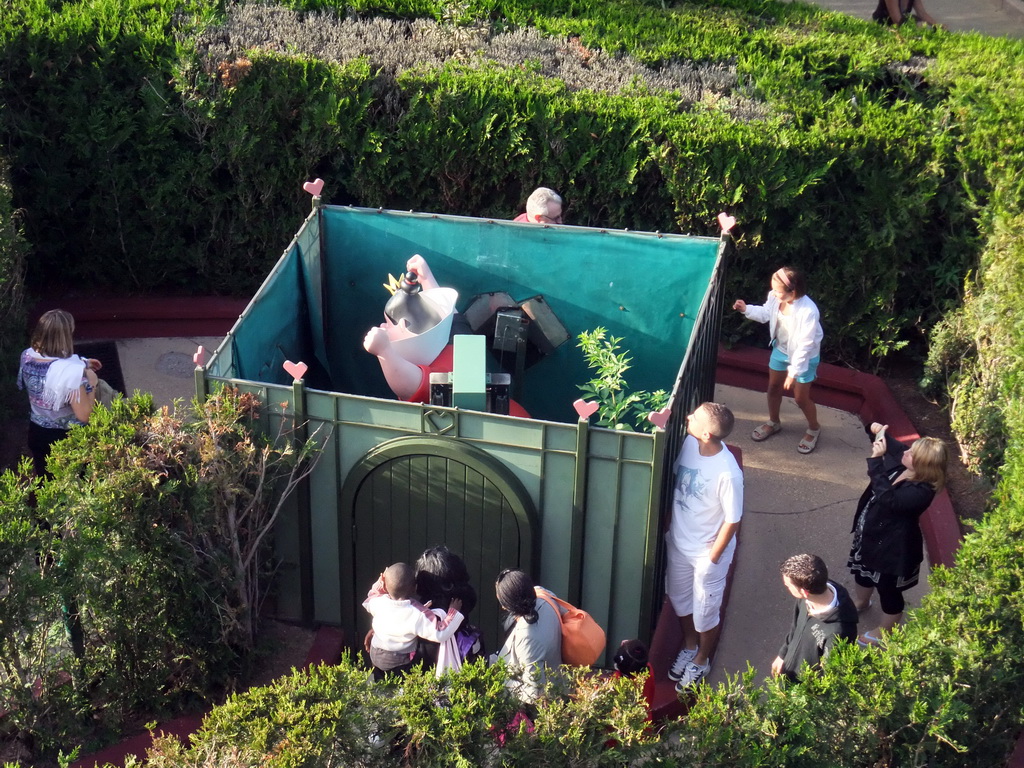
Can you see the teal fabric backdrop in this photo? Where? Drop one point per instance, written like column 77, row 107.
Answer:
column 327, row 291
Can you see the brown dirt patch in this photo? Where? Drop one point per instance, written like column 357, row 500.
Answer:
column 283, row 649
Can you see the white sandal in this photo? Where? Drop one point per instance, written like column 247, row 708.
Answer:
column 765, row 431
column 805, row 445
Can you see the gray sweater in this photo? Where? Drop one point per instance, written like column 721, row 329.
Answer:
column 530, row 650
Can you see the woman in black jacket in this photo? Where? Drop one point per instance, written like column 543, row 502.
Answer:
column 887, row 545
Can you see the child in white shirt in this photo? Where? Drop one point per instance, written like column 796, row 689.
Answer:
column 398, row 620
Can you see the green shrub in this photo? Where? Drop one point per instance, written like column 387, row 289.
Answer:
column 42, row 709
column 337, row 716
column 13, row 252
column 152, row 543
column 976, row 358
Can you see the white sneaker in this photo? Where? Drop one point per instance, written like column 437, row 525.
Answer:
column 679, row 665
column 694, row 674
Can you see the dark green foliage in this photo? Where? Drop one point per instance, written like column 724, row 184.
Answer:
column 41, row 706
column 337, row 716
column 976, row 360
column 13, row 253
column 153, row 529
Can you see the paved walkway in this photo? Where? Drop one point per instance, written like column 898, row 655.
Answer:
column 792, row 503
column 990, row 17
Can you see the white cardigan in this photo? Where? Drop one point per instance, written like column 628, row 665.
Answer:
column 805, row 330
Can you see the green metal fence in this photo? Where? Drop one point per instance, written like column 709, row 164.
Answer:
column 580, row 507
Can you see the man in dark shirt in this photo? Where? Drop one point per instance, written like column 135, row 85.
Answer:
column 823, row 614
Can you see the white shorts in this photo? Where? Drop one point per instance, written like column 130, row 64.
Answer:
column 696, row 586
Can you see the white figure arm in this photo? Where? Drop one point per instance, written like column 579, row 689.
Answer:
column 403, row 377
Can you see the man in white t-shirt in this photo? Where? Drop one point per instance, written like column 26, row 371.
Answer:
column 707, row 505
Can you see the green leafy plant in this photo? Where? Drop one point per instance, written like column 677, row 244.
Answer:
column 13, row 253
column 151, row 542
column 337, row 715
column 618, row 407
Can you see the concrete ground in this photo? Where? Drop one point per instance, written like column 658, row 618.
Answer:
column 999, row 18
column 163, row 367
column 793, row 503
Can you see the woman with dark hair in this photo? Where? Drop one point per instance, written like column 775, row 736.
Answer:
column 442, row 576
column 534, row 645
column 887, row 545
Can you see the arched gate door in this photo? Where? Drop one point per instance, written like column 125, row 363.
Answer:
column 416, row 492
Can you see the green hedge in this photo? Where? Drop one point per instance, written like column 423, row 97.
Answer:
column 140, row 533
column 13, row 254
column 337, row 716
column 145, row 166
column 976, row 359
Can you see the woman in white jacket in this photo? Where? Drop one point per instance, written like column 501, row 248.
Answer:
column 796, row 345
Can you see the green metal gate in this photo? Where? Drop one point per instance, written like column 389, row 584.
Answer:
column 411, row 493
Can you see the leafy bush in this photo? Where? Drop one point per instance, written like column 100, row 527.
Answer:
column 149, row 549
column 618, row 408
column 13, row 251
column 837, row 144
column 975, row 360
column 338, row 716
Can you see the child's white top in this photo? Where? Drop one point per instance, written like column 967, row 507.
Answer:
column 397, row 623
column 804, row 330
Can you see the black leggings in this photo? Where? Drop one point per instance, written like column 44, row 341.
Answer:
column 40, row 439
column 889, row 595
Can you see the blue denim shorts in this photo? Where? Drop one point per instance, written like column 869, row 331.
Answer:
column 780, row 362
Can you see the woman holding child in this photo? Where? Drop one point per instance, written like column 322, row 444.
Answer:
column 399, row 621
column 887, row 544
column 796, row 336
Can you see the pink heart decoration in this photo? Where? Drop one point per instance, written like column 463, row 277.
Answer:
column 199, row 358
column 295, row 370
column 726, row 222
column 314, row 187
column 659, row 418
column 585, row 409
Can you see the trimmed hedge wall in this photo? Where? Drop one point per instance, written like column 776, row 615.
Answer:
column 145, row 166
column 885, row 162
column 13, row 254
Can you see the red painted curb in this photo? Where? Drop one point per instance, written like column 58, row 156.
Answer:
column 871, row 399
column 145, row 317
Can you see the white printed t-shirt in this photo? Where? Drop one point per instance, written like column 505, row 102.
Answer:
column 708, row 493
